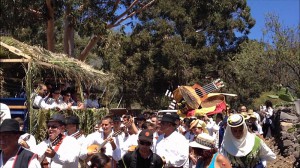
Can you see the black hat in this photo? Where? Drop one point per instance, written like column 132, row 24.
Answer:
column 72, row 120
column 58, row 117
column 10, row 125
column 116, row 118
column 176, row 116
column 141, row 117
column 146, row 135
column 168, row 118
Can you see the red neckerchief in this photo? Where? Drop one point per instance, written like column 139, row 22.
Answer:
column 59, row 143
column 16, row 157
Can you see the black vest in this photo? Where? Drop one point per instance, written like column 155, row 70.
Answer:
column 23, row 159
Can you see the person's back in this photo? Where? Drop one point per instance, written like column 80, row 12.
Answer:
column 135, row 160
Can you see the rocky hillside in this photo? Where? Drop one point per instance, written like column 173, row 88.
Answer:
column 286, row 138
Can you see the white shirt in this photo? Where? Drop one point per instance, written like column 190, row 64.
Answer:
column 212, row 127
column 4, row 112
column 31, row 142
column 66, row 156
column 98, row 138
column 57, row 103
column 130, row 141
column 34, row 163
column 80, row 139
column 40, row 103
column 174, row 149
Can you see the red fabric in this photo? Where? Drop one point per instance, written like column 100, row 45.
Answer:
column 190, row 113
column 219, row 108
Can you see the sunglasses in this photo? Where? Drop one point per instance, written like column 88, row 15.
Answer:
column 145, row 143
column 53, row 126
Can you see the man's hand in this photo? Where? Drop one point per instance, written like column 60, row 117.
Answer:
column 50, row 152
column 112, row 143
column 24, row 144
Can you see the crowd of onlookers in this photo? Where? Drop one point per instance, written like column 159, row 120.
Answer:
column 62, row 98
column 147, row 140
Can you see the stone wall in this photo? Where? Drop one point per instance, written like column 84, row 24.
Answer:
column 286, row 132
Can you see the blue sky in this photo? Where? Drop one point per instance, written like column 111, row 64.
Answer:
column 287, row 11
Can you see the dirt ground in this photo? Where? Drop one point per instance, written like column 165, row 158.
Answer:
column 280, row 161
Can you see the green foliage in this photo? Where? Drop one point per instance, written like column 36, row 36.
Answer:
column 261, row 66
column 178, row 43
column 259, row 101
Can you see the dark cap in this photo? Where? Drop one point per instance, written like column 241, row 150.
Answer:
column 58, row 117
column 146, row 135
column 10, row 125
column 168, row 118
column 72, row 120
column 176, row 116
column 141, row 117
column 116, row 118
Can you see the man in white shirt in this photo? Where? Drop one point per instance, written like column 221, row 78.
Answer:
column 11, row 153
column 98, row 139
column 58, row 151
column 172, row 146
column 39, row 98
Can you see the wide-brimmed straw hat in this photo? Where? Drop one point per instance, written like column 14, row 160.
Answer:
column 203, row 141
column 235, row 120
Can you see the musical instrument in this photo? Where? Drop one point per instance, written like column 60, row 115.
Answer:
column 44, row 162
column 97, row 148
column 191, row 97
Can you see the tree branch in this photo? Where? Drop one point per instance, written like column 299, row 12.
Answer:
column 114, row 24
column 125, row 12
column 116, row 6
column 131, row 14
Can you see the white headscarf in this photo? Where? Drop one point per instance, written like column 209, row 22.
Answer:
column 238, row 147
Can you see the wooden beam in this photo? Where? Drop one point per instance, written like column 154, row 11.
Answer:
column 15, row 50
column 15, row 60
column 17, row 107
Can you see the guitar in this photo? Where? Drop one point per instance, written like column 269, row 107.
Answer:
column 97, row 148
column 44, row 162
column 190, row 97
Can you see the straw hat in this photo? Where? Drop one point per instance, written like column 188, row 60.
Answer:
column 235, row 120
column 199, row 124
column 203, row 141
column 245, row 115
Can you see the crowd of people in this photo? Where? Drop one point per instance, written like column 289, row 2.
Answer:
column 147, row 140
column 61, row 98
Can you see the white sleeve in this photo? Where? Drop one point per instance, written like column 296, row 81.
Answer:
column 68, row 152
column 116, row 154
column 266, row 154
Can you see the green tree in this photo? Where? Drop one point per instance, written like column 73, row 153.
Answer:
column 91, row 19
column 263, row 66
column 180, row 43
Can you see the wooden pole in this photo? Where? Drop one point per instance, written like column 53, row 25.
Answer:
column 28, row 93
